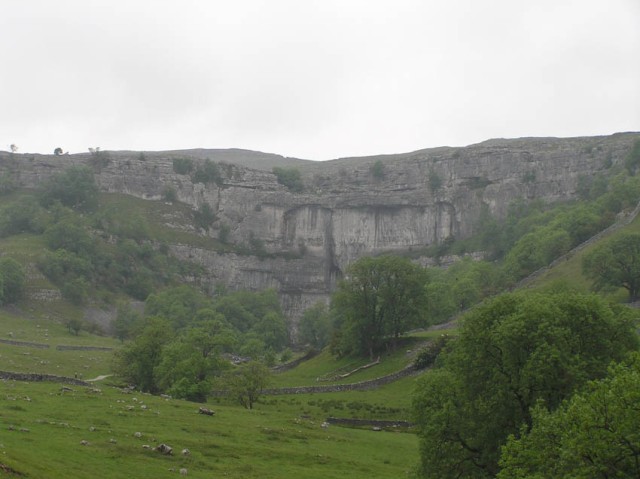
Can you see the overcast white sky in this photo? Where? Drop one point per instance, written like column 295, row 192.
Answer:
column 313, row 79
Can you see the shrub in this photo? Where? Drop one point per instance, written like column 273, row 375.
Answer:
column 182, row 166
column 435, row 182
column 427, row 357
column 169, row 194
column 208, row 172
column 377, row 170
column 204, row 217
column 290, row 178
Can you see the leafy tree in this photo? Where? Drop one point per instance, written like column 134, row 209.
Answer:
column 126, row 320
column 179, row 305
column 593, row 435
column 315, row 326
column 380, row 299
column 74, row 325
column 247, row 382
column 272, row 330
column 512, row 352
column 289, row 177
column 75, row 188
column 13, row 280
column 70, row 234
column 615, row 264
column 23, row 216
column 188, row 365
column 76, row 290
column 137, row 361
column 243, row 309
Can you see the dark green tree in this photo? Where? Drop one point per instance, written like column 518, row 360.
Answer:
column 379, row 299
column 126, row 321
column 615, row 264
column 137, row 361
column 179, row 305
column 512, row 353
column 13, row 280
column 189, row 364
column 75, row 188
column 245, row 384
column 593, row 435
column 315, row 326
column 243, row 309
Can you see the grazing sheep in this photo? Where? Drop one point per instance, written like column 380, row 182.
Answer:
column 183, row 471
column 137, row 434
column 186, row 452
column 84, row 443
column 207, row 412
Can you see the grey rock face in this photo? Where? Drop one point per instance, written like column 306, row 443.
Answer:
column 346, row 210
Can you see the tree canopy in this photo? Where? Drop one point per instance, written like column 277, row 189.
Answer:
column 379, row 299
column 615, row 264
column 513, row 352
column 593, row 435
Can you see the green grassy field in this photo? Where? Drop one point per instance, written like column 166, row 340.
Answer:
column 43, row 429
column 42, row 426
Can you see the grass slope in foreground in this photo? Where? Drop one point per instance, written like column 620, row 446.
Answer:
column 43, row 427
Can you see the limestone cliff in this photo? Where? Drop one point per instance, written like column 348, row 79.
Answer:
column 349, row 207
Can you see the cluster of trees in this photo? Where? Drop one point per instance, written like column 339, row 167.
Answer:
column 507, row 378
column 90, row 249
column 177, row 344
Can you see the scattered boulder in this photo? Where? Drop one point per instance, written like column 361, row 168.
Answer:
column 164, row 449
column 84, row 443
column 186, row 452
column 204, row 410
column 183, row 471
column 137, row 434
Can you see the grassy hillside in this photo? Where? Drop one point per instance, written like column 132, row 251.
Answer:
column 569, row 272
column 43, row 425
